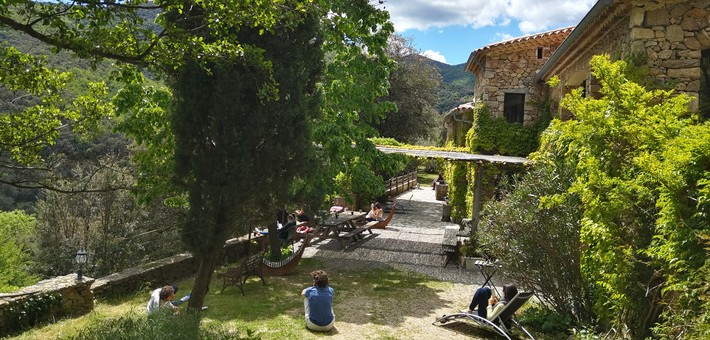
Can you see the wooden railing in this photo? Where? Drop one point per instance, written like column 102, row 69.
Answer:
column 397, row 185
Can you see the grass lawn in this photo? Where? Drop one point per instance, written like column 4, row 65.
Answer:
column 369, row 304
column 425, row 179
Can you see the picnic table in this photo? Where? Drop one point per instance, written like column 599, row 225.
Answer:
column 342, row 227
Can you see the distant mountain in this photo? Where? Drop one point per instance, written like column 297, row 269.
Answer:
column 457, row 85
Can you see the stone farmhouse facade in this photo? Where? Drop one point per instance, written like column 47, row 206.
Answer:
column 671, row 37
column 505, row 73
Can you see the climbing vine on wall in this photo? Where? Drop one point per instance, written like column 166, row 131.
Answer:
column 494, row 135
column 31, row 311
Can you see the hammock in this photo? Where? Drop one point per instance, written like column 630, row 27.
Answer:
column 285, row 266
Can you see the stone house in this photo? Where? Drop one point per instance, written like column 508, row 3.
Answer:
column 505, row 73
column 671, row 37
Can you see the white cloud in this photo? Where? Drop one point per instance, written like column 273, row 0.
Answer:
column 434, row 55
column 532, row 16
column 502, row 37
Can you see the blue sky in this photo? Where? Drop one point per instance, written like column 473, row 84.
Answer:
column 449, row 30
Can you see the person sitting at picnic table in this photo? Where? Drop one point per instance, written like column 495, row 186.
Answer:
column 439, row 179
column 318, row 303
column 488, row 305
column 162, row 298
column 375, row 213
column 301, row 216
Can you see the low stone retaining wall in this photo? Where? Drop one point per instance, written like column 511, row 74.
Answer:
column 45, row 301
column 66, row 296
column 161, row 272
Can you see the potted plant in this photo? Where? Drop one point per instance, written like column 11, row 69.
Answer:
column 470, row 252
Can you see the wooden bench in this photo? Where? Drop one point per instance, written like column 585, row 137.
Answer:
column 251, row 266
column 355, row 233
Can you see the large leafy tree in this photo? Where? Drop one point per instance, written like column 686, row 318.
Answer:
column 195, row 45
column 413, row 89
column 239, row 145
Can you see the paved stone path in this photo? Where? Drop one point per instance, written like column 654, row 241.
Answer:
column 412, row 241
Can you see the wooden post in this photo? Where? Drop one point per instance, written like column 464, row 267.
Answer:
column 477, row 196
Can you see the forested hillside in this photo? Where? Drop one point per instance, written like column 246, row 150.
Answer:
column 457, row 86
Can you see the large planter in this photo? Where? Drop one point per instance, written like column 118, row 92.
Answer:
column 441, row 191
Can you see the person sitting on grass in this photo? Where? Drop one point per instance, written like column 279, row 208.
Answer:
column 375, row 213
column 488, row 305
column 318, row 303
column 162, row 298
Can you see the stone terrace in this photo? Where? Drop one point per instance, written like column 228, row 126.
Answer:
column 412, row 241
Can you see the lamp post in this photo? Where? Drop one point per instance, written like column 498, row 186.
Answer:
column 81, row 258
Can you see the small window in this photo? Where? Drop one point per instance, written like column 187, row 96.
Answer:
column 539, row 53
column 514, row 107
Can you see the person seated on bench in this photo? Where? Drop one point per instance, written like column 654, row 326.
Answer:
column 488, row 305
column 162, row 298
column 282, row 231
column 439, row 179
column 318, row 303
column 375, row 213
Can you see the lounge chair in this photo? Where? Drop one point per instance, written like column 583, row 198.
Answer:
column 500, row 323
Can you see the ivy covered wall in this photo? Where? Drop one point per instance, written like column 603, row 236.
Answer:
column 488, row 135
column 495, row 136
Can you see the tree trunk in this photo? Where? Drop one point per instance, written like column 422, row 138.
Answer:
column 202, row 280
column 274, row 243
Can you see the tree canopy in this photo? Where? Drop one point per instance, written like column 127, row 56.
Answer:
column 239, row 103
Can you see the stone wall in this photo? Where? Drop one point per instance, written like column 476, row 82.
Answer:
column 72, row 297
column 161, row 272
column 511, row 71
column 614, row 42
column 672, row 33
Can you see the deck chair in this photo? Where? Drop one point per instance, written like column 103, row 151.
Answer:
column 408, row 203
column 501, row 323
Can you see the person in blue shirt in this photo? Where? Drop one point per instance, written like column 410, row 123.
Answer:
column 318, row 303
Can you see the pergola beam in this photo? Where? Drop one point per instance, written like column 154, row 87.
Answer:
column 479, row 160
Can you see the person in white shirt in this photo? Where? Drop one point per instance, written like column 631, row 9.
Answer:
column 162, row 297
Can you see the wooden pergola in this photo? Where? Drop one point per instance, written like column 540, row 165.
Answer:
column 477, row 159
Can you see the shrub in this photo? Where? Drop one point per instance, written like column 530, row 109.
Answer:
column 545, row 320
column 162, row 325
column 641, row 167
column 34, row 310
column 538, row 241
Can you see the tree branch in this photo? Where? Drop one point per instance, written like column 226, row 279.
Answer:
column 129, row 59
column 121, row 5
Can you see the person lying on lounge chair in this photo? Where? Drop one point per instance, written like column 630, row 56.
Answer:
column 487, row 305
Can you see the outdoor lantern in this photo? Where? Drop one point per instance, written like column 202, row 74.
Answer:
column 81, row 258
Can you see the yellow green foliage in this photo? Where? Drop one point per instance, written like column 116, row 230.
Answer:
column 642, row 168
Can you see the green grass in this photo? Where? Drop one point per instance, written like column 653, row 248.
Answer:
column 425, row 179
column 378, row 298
